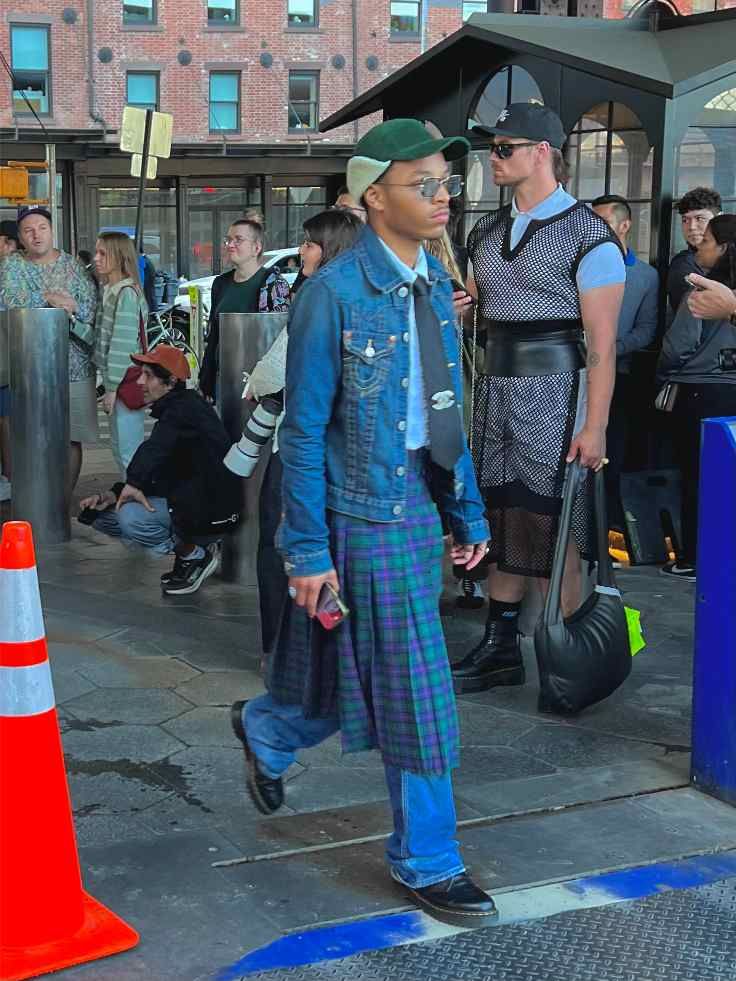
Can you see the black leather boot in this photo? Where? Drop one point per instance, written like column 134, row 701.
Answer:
column 495, row 661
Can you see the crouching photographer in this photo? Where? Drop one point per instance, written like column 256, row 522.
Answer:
column 178, row 496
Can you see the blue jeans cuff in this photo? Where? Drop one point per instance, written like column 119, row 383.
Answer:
column 420, row 881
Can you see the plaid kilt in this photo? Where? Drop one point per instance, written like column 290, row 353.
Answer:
column 385, row 670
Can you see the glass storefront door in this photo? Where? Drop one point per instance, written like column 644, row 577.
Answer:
column 211, row 212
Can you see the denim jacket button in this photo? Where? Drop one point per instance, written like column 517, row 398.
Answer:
column 405, row 337
column 401, row 426
column 403, row 291
column 404, row 382
column 400, row 471
column 397, row 509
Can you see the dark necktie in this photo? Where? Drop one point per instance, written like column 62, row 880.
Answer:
column 446, row 438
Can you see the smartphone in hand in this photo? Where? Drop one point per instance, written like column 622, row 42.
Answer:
column 330, row 608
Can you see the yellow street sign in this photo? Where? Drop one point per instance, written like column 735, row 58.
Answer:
column 162, row 128
column 136, row 162
column 133, row 130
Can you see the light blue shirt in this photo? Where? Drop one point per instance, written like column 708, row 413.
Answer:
column 417, row 431
column 602, row 266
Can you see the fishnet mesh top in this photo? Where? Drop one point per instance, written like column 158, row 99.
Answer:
column 522, row 427
column 536, row 279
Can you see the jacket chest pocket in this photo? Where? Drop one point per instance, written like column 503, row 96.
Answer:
column 366, row 360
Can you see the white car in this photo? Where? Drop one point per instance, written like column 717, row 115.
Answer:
column 276, row 257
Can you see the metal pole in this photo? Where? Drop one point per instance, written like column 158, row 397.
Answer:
column 713, row 768
column 142, row 182
column 244, row 339
column 39, row 379
column 51, row 173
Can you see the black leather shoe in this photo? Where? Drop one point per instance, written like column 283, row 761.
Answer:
column 458, row 896
column 495, row 661
column 266, row 793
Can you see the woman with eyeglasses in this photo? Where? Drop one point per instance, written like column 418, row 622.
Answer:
column 245, row 288
column 326, row 235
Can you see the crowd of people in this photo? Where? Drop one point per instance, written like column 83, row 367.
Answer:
column 370, row 477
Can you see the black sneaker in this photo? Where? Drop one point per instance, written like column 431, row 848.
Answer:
column 685, row 572
column 168, row 576
column 266, row 793
column 189, row 574
column 470, row 595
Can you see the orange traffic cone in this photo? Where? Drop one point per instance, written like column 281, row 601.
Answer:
column 47, row 921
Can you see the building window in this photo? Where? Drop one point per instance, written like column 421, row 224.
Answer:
column 527, row 7
column 224, row 102
column 471, row 7
column 302, row 13
column 142, row 90
column 29, row 56
column 290, row 208
column 405, row 17
column 139, row 11
column 608, row 152
column 223, row 12
column 303, row 100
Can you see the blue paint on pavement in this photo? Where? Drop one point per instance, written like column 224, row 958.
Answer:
column 660, row 877
column 381, row 932
column 329, row 943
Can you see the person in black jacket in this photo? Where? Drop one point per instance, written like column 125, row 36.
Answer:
column 178, row 494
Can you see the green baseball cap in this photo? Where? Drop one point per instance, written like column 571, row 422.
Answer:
column 396, row 139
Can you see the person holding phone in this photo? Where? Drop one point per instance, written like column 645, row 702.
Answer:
column 699, row 356
column 373, row 422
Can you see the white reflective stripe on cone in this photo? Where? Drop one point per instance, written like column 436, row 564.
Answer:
column 26, row 691
column 21, row 618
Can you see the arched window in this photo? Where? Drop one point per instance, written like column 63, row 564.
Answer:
column 609, row 153
column 510, row 84
column 707, row 156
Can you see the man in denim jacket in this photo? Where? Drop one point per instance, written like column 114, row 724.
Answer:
column 373, row 419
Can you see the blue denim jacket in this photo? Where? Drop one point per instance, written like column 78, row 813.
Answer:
column 343, row 439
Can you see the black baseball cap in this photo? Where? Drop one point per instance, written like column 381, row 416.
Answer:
column 26, row 210
column 9, row 229
column 527, row 121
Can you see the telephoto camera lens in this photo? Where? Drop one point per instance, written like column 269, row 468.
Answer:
column 242, row 456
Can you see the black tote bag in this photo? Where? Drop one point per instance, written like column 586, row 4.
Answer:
column 583, row 658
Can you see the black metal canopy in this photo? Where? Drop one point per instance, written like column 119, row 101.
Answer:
column 665, row 56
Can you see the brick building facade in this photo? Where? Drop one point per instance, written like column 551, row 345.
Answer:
column 246, row 83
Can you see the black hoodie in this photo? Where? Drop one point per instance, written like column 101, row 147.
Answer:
column 182, row 461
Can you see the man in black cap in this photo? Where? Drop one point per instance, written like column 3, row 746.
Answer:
column 546, row 269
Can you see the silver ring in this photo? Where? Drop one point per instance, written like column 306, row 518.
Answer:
column 292, row 592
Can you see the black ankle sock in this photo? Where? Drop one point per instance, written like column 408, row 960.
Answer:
column 498, row 610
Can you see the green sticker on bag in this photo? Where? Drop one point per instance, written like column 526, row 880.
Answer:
column 636, row 637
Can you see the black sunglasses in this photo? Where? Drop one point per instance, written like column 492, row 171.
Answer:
column 506, row 150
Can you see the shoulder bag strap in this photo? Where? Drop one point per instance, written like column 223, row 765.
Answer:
column 552, row 612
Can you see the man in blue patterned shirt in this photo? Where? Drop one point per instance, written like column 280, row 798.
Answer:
column 42, row 276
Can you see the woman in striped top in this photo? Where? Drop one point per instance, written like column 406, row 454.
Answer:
column 121, row 319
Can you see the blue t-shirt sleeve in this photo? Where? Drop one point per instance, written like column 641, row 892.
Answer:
column 602, row 266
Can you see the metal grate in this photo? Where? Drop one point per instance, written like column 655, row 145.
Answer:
column 684, row 935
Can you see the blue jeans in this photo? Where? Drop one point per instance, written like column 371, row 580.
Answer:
column 134, row 525
column 422, row 849
column 126, row 434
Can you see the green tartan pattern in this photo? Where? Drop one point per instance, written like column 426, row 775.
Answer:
column 394, row 684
